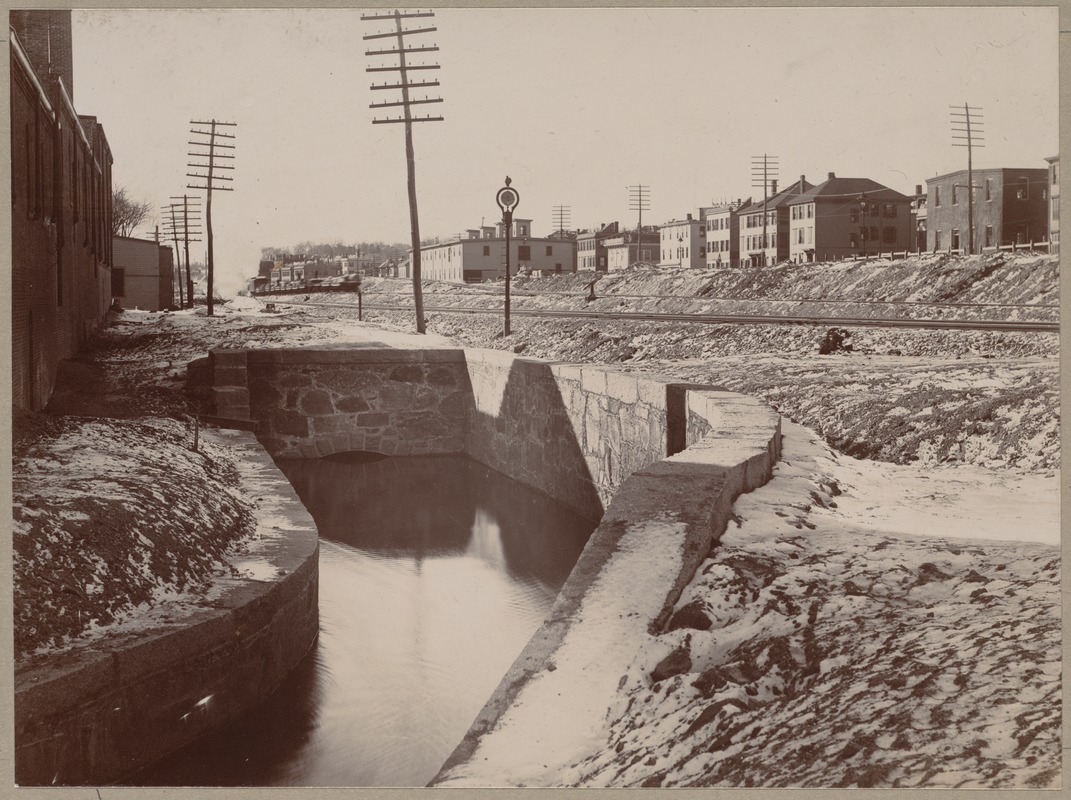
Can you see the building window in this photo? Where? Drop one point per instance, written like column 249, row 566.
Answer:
column 890, row 210
column 988, row 188
column 853, row 214
column 937, row 195
column 955, row 238
column 988, row 235
column 522, row 230
column 550, row 250
column 524, row 253
column 1056, row 208
column 1022, row 191
column 487, row 250
column 851, row 241
column 955, row 195
column 936, row 240
column 890, row 235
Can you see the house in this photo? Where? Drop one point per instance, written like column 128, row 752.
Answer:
column 479, row 254
column 143, row 274
column 591, row 246
column 1011, row 207
column 61, row 207
column 683, row 243
column 847, row 217
column 722, row 223
column 1054, row 203
column 631, row 247
column 764, row 226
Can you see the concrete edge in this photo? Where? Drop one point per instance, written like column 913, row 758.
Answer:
column 60, row 734
column 699, row 485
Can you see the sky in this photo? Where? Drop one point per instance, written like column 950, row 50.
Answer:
column 575, row 105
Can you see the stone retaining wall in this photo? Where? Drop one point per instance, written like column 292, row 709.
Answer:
column 99, row 711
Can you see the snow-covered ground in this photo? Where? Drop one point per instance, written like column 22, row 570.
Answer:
column 870, row 623
column 835, row 637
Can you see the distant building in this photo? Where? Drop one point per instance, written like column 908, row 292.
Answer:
column 918, row 212
column 631, row 247
column 1054, row 204
column 143, row 274
column 61, row 207
column 480, row 254
column 845, row 217
column 682, row 243
column 722, row 223
column 764, row 226
column 591, row 247
column 1011, row 206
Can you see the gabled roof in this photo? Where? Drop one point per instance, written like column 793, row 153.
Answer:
column 781, row 198
column 849, row 189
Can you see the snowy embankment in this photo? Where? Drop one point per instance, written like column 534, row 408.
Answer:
column 861, row 624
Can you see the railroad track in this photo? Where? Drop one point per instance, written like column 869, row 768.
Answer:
column 718, row 319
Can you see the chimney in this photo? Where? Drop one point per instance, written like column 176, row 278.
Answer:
column 689, row 216
column 46, row 37
column 832, row 176
column 918, row 188
column 773, row 186
column 803, row 182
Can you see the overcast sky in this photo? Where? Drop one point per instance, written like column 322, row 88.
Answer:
column 574, row 105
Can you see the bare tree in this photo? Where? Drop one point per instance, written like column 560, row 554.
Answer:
column 127, row 214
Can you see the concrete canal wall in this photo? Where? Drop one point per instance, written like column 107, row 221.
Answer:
column 630, row 449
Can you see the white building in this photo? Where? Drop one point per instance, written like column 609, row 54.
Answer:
column 682, row 243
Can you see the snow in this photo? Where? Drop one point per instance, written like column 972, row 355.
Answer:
column 937, row 558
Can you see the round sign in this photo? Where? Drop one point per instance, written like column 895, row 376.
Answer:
column 507, row 198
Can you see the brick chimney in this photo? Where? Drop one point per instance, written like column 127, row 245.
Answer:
column 773, row 186
column 46, row 37
column 832, row 176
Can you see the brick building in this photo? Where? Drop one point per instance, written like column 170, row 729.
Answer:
column 61, row 208
column 1011, row 206
column 143, row 274
column 847, row 217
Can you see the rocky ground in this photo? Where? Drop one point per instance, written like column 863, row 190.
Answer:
column 931, row 629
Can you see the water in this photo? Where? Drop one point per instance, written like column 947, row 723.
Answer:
column 434, row 573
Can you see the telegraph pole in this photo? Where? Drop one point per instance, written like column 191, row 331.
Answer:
column 189, row 230
column 764, row 169
column 209, row 150
column 966, row 129
column 174, row 238
column 561, row 215
column 404, row 84
column 639, row 199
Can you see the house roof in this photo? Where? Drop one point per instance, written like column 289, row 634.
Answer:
column 849, row 188
column 984, row 170
column 781, row 198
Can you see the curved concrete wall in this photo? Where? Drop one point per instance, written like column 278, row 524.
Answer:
column 672, row 511
column 99, row 711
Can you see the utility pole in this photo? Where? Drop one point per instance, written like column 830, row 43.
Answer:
column 404, row 84
column 764, row 169
column 639, row 199
column 174, row 238
column 966, row 129
column 210, row 178
column 187, row 227
column 561, row 215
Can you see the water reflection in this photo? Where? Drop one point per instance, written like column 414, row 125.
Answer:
column 434, row 573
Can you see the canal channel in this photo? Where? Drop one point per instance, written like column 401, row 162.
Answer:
column 434, row 573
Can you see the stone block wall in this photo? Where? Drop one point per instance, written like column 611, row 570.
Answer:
column 312, row 403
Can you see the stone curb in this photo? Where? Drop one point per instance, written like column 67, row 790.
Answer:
column 110, row 707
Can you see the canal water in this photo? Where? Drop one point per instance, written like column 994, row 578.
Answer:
column 434, row 573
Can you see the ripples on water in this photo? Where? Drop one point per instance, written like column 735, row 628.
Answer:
column 434, row 573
